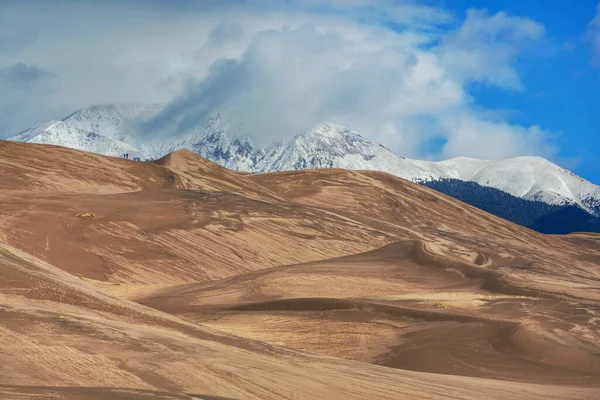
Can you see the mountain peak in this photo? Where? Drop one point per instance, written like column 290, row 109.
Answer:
column 63, row 133
column 328, row 128
column 459, row 159
column 115, row 121
column 333, row 135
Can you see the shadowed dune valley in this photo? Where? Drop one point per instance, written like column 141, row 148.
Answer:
column 181, row 279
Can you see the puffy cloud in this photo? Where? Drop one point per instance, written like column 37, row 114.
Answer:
column 594, row 35
column 384, row 84
column 490, row 140
column 485, row 47
column 397, row 72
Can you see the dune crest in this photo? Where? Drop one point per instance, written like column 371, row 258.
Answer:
column 194, row 281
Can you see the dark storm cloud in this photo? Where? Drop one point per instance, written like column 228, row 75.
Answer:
column 25, row 75
column 225, row 80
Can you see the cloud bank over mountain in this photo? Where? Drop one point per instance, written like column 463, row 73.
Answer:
column 399, row 72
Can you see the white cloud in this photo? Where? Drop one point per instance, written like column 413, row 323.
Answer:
column 490, row 140
column 594, row 35
column 399, row 12
column 276, row 73
column 485, row 47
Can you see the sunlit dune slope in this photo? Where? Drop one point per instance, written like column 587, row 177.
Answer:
column 181, row 279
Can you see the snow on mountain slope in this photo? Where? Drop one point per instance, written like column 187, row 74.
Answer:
column 532, row 178
column 115, row 121
column 216, row 141
column 213, row 139
column 463, row 168
column 334, row 146
column 63, row 134
column 527, row 177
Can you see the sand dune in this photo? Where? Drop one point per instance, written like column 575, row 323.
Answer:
column 405, row 307
column 187, row 280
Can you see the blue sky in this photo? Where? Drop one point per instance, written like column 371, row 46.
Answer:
column 429, row 79
column 562, row 85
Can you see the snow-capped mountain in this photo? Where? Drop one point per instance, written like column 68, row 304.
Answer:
column 110, row 130
column 111, row 120
column 216, row 141
column 334, row 146
column 531, row 178
column 61, row 133
column 536, row 215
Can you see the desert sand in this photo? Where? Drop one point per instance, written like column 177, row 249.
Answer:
column 180, row 279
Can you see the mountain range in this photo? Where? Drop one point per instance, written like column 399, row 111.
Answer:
column 530, row 191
